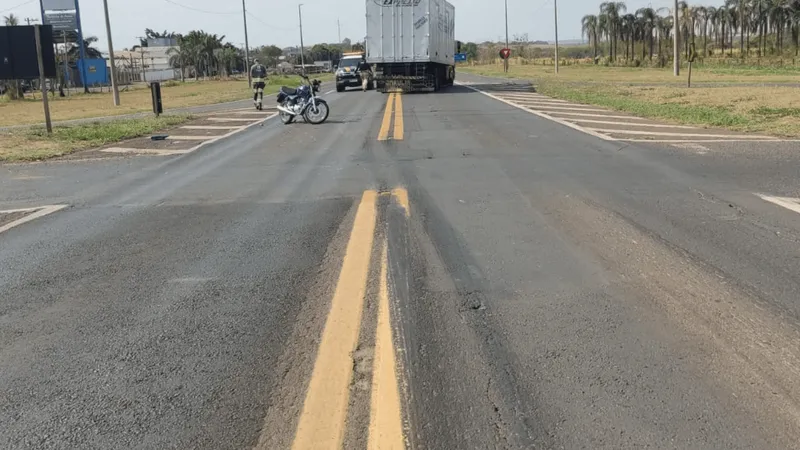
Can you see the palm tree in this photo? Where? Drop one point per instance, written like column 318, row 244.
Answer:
column 612, row 12
column 227, row 57
column 732, row 19
column 702, row 13
column 648, row 17
column 795, row 26
column 180, row 57
column 590, row 25
column 685, row 24
column 628, row 33
column 91, row 52
column 11, row 20
column 604, row 29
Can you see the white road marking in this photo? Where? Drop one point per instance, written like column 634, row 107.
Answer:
column 533, row 96
column 39, row 212
column 207, row 140
column 540, row 102
column 700, row 149
column 260, row 113
column 147, row 151
column 555, row 112
column 211, row 127
column 529, row 96
column 238, row 130
column 330, row 92
column 792, row 204
column 544, row 115
column 229, row 119
column 554, row 107
column 663, row 133
column 654, row 125
column 560, row 113
column 189, row 138
column 671, row 141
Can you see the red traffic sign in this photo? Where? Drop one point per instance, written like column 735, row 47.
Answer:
column 505, row 53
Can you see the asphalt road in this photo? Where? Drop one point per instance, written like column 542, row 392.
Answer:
column 448, row 272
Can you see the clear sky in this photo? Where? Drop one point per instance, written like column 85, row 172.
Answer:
column 276, row 21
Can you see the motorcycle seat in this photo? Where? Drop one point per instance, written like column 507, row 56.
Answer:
column 288, row 90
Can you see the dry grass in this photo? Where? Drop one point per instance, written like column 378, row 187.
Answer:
column 32, row 144
column 737, row 99
column 589, row 73
column 81, row 106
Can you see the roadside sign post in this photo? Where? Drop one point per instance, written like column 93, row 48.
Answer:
column 692, row 57
column 460, row 57
column 155, row 93
column 111, row 56
column 42, row 80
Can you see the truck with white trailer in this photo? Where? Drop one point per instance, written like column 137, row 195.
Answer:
column 411, row 44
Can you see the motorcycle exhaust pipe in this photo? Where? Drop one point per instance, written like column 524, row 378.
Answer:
column 284, row 110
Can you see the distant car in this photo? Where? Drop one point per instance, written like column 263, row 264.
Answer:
column 349, row 73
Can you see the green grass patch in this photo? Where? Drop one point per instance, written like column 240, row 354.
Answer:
column 715, row 116
column 776, row 112
column 35, row 144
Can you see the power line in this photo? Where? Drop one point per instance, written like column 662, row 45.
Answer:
column 268, row 24
column 15, row 7
column 201, row 10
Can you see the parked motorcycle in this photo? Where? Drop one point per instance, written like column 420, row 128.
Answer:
column 303, row 102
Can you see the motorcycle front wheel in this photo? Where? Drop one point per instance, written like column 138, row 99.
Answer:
column 317, row 115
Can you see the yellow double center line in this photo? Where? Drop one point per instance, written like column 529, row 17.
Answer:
column 394, row 104
column 322, row 422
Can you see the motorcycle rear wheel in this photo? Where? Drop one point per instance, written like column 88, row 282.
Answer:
column 286, row 118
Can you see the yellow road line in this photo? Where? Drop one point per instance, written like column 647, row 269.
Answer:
column 322, row 421
column 398, row 118
column 385, row 421
column 383, row 135
column 401, row 194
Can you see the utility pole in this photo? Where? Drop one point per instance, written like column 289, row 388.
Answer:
column 675, row 38
column 555, row 9
column 81, row 48
column 144, row 68
column 339, row 26
column 31, row 20
column 741, row 30
column 505, row 61
column 38, row 34
column 114, row 86
column 302, row 54
column 246, row 46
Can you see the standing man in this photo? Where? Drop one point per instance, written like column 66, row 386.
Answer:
column 365, row 71
column 259, row 74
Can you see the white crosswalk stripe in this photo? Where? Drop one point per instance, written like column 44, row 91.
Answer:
column 603, row 123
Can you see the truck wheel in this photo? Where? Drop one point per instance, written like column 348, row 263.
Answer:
column 339, row 88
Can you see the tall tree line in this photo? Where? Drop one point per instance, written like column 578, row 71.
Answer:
column 753, row 27
column 202, row 54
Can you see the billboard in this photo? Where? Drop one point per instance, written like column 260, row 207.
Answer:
column 58, row 5
column 62, row 20
column 18, row 57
